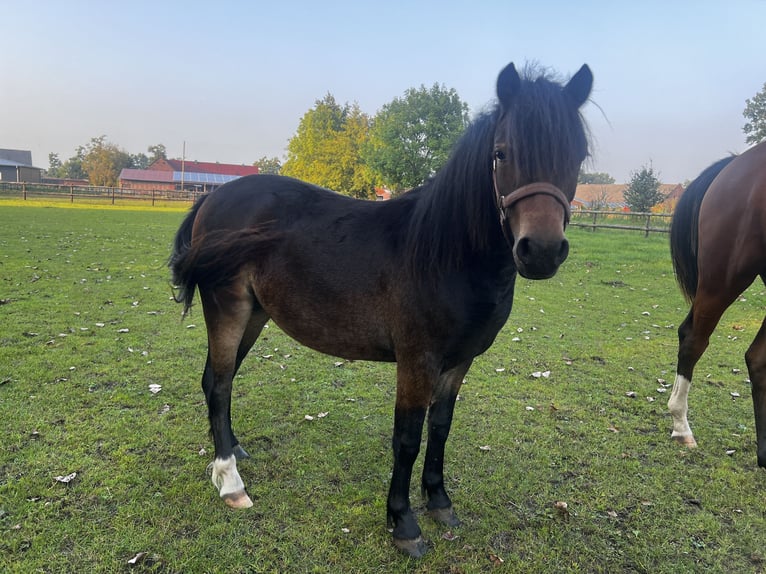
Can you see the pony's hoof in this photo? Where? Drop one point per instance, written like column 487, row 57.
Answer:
column 416, row 547
column 238, row 499
column 445, row 516
column 685, row 440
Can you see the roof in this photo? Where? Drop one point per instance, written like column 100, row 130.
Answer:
column 158, row 176
column 146, row 175
column 16, row 157
column 212, row 167
column 612, row 194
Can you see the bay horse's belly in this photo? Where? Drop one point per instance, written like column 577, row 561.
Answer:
column 335, row 314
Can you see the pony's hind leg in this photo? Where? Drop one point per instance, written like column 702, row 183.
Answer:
column 233, row 324
column 693, row 338
column 756, row 366
column 252, row 332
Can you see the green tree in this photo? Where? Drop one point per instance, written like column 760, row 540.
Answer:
column 102, row 161
column 270, row 165
column 755, row 113
column 597, row 177
column 54, row 165
column 156, row 152
column 70, row 169
column 643, row 191
column 411, row 137
column 326, row 148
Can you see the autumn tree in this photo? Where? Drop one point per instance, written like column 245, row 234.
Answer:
column 643, row 191
column 755, row 113
column 326, row 148
column 102, row 161
column 412, row 137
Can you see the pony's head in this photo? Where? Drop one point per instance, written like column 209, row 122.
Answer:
column 539, row 145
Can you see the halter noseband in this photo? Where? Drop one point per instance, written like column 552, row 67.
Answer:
column 538, row 188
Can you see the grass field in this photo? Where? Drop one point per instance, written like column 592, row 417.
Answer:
column 87, row 326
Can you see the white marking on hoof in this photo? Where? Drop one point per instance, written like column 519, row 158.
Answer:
column 678, row 407
column 685, row 440
column 229, row 484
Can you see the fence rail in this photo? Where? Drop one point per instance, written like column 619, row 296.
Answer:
column 632, row 221
column 93, row 194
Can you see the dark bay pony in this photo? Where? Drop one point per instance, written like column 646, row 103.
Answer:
column 425, row 279
column 718, row 246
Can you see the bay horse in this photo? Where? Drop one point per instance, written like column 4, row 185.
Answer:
column 425, row 279
column 718, row 247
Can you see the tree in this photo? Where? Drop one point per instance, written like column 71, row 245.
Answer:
column 755, row 113
column 157, row 152
column 643, row 191
column 102, row 162
column 598, row 177
column 412, row 137
column 270, row 165
column 70, row 169
column 54, row 165
column 326, row 148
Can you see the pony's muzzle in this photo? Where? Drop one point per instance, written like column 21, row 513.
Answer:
column 539, row 259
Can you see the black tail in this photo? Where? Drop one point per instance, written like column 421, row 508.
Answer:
column 684, row 237
column 183, row 281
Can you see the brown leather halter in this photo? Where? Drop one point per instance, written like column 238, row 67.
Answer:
column 537, row 188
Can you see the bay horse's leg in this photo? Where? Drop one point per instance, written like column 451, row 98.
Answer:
column 756, row 366
column 232, row 325
column 413, row 394
column 693, row 338
column 252, row 332
column 440, row 414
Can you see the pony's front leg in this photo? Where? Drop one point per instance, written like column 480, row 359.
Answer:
column 756, row 365
column 439, row 422
column 408, row 427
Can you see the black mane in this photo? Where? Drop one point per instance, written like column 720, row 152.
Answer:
column 457, row 216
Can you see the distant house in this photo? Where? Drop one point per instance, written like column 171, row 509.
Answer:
column 16, row 166
column 176, row 174
column 611, row 197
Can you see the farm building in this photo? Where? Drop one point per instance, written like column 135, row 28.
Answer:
column 611, row 197
column 176, row 174
column 16, row 166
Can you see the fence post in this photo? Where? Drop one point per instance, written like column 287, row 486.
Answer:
column 113, row 195
column 24, row 190
column 648, row 222
column 71, row 194
column 595, row 216
column 152, row 198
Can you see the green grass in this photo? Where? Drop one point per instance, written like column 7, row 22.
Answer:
column 87, row 324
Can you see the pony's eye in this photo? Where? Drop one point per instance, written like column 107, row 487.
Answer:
column 499, row 155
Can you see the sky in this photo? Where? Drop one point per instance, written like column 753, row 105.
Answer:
column 229, row 81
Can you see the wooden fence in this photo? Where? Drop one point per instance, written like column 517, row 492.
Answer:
column 94, row 194
column 646, row 222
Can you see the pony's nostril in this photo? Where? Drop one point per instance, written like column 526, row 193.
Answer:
column 522, row 248
column 563, row 251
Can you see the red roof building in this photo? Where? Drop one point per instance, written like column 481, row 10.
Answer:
column 176, row 175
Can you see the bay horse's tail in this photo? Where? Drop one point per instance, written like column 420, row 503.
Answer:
column 184, row 282
column 216, row 257
column 684, row 237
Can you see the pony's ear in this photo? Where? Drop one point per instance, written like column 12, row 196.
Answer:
column 508, row 84
column 579, row 86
